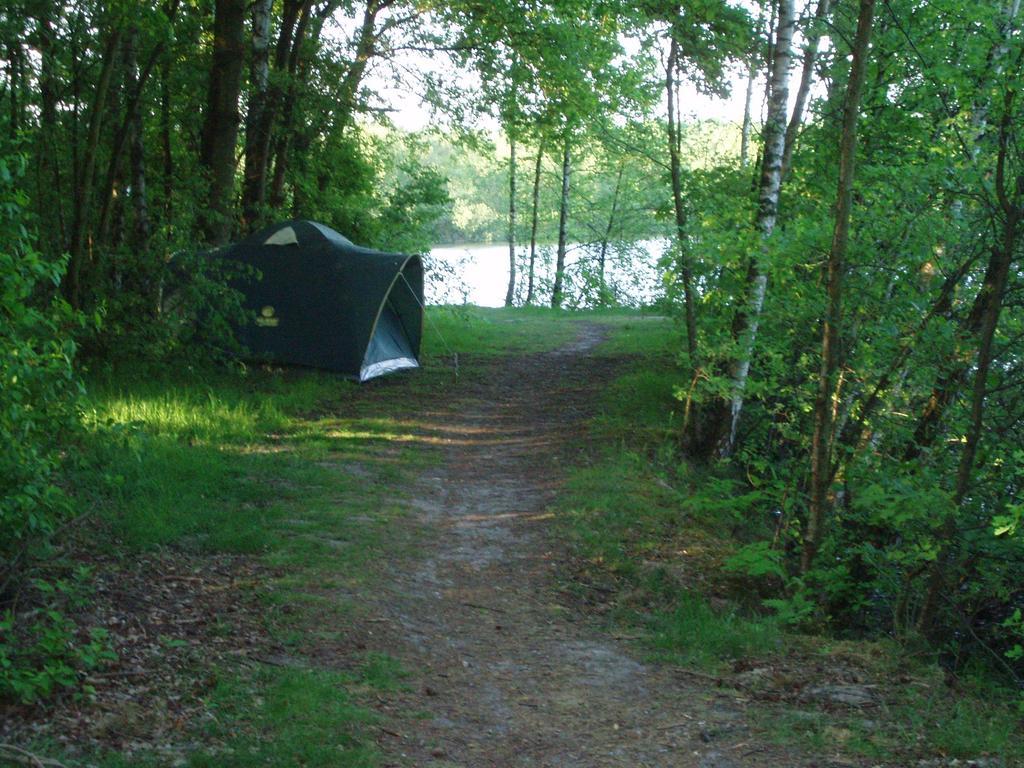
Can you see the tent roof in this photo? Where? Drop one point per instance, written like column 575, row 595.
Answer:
column 298, row 232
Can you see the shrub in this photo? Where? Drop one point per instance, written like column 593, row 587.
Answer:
column 39, row 391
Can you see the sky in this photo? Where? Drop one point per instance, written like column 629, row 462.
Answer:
column 393, row 80
column 411, row 114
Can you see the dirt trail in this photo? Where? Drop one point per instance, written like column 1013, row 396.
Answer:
column 503, row 673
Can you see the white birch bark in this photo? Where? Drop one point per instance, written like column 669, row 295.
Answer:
column 748, row 318
column 745, row 131
column 259, row 85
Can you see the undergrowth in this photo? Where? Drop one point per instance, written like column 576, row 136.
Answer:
column 667, row 550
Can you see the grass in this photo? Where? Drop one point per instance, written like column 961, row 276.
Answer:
column 629, row 531
column 964, row 726
column 690, row 632
column 308, row 473
column 218, row 466
column 630, row 521
column 486, row 332
column 218, row 460
column 287, row 717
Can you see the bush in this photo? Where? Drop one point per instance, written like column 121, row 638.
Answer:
column 39, row 392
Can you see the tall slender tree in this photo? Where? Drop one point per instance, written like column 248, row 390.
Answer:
column 824, row 419
column 510, row 294
column 748, row 312
column 557, row 290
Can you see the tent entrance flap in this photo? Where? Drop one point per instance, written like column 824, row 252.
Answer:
column 389, row 349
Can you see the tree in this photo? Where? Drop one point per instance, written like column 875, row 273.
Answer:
column 220, row 126
column 747, row 314
column 824, row 424
column 557, row 294
column 257, row 126
column 810, row 57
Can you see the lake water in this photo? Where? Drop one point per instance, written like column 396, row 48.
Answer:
column 478, row 273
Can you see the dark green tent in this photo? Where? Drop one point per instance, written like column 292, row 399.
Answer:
column 327, row 303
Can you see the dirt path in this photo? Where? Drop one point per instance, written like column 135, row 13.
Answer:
column 503, row 673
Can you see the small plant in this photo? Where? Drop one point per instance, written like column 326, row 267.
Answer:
column 757, row 560
column 44, row 653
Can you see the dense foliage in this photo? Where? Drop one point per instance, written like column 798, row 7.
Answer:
column 39, row 392
column 907, row 519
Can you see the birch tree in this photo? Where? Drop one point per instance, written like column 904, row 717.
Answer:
column 747, row 315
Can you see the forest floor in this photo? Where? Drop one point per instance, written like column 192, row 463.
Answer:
column 390, row 581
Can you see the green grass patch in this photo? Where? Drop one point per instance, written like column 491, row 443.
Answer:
column 652, row 336
column 305, row 471
column 691, row 633
column 483, row 331
column 381, row 672
column 641, row 406
column 965, row 725
column 630, row 532
column 630, row 519
column 287, row 717
column 615, row 513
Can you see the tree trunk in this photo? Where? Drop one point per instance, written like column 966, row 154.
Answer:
column 135, row 82
column 166, row 149
column 563, row 220
column 16, row 82
column 259, row 135
column 283, row 140
column 992, row 293
column 602, row 259
column 84, row 187
column 293, row 140
column 254, row 184
column 510, row 294
column 220, row 125
column 954, row 375
column 747, row 120
column 995, row 67
column 748, row 315
column 679, row 205
column 365, row 48
column 137, row 157
column 533, row 223
column 48, row 185
column 855, row 432
column 806, row 77
column 824, row 423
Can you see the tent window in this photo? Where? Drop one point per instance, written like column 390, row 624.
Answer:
column 283, row 236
